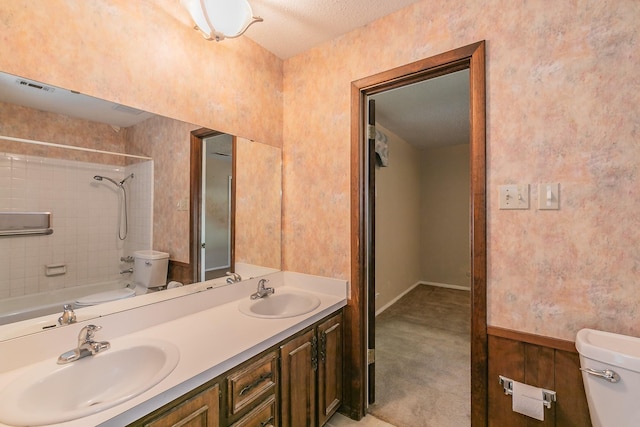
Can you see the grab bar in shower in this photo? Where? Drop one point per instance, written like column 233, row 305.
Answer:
column 25, row 223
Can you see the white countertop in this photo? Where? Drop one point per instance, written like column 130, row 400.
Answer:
column 211, row 333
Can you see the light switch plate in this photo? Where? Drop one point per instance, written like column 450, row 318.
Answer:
column 514, row 196
column 549, row 196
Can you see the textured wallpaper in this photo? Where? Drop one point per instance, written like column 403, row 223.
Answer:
column 145, row 54
column 167, row 141
column 562, row 97
column 258, row 204
column 562, row 106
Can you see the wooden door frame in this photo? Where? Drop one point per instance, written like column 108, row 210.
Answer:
column 473, row 58
column 195, row 190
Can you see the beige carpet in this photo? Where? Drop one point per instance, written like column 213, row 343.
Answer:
column 423, row 360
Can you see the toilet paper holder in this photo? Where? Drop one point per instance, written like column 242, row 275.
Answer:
column 548, row 396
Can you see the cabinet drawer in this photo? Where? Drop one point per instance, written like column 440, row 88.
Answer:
column 262, row 416
column 251, row 383
column 202, row 410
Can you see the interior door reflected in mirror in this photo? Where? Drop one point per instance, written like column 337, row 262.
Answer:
column 255, row 191
column 216, row 208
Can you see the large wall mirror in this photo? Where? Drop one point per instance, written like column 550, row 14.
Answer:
column 112, row 181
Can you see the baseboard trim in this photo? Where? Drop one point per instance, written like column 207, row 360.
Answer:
column 420, row 282
column 393, row 301
column 445, row 285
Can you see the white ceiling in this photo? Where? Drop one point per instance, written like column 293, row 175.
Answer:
column 291, row 27
column 428, row 113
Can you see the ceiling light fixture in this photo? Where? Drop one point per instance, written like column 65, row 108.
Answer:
column 221, row 19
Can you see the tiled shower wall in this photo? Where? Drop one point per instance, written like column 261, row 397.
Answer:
column 85, row 221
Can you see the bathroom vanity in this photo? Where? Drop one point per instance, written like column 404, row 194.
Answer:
column 272, row 367
column 298, row 382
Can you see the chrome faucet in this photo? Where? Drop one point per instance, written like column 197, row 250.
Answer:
column 86, row 346
column 68, row 315
column 262, row 290
column 128, row 270
column 233, row 277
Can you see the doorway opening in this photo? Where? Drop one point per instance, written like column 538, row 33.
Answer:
column 212, row 224
column 215, row 210
column 360, row 312
column 419, row 247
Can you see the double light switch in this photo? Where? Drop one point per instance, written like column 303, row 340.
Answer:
column 516, row 196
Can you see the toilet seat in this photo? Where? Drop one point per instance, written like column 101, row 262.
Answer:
column 102, row 297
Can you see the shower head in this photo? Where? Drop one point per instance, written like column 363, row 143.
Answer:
column 117, row 184
column 123, row 210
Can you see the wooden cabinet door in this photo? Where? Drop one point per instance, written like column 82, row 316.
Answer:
column 202, row 410
column 329, row 367
column 298, row 359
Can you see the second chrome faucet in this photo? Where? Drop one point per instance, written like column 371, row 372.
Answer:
column 86, row 346
column 262, row 291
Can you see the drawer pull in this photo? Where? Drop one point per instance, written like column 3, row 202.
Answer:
column 260, row 379
column 267, row 423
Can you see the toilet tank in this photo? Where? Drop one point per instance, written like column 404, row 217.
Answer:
column 150, row 268
column 613, row 401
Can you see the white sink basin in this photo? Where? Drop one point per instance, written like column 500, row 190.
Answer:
column 49, row 393
column 284, row 303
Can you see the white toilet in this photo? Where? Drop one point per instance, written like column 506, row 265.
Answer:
column 149, row 271
column 610, row 365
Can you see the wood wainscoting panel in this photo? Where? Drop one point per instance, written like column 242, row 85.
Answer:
column 545, row 363
column 573, row 410
column 180, row 272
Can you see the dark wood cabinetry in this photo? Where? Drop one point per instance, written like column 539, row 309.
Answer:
column 329, row 368
column 196, row 409
column 252, row 391
column 311, row 374
column 304, row 389
column 298, row 380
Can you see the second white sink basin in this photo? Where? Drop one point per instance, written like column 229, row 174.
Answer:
column 284, row 303
column 49, row 393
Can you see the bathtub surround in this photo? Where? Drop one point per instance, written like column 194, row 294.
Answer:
column 85, row 220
